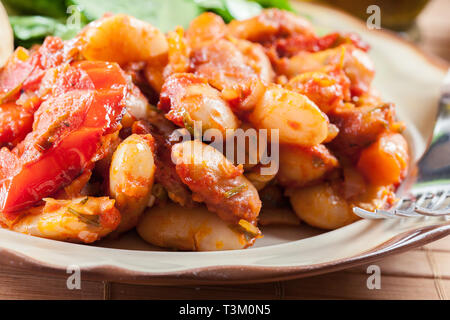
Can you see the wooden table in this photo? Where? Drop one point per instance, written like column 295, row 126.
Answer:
column 423, row 273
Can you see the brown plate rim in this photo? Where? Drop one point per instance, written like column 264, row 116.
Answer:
column 236, row 274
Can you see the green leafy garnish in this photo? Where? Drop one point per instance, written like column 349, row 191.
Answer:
column 165, row 15
column 33, row 29
column 280, row 4
column 33, row 20
column 231, row 9
column 49, row 8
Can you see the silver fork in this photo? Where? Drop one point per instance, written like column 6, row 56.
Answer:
column 426, row 193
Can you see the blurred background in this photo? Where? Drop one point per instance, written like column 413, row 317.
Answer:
column 425, row 22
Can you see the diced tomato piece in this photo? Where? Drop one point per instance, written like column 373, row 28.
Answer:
column 15, row 123
column 49, row 55
column 354, row 39
column 385, row 162
column 103, row 75
column 58, row 167
column 326, row 90
column 66, row 136
column 287, row 47
column 12, row 75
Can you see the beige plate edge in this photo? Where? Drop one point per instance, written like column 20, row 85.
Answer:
column 243, row 273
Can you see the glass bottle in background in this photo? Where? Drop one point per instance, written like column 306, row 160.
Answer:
column 397, row 15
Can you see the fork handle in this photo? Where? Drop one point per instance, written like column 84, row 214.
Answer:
column 435, row 163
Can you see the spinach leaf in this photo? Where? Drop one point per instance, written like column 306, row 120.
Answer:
column 242, row 9
column 165, row 15
column 231, row 9
column 280, row 4
column 49, row 8
column 33, row 20
column 29, row 30
column 216, row 6
column 32, row 27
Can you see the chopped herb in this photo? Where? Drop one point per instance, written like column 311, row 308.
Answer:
column 380, row 107
column 188, row 123
column 86, row 218
column 341, row 62
column 42, row 146
column 152, row 107
column 247, row 229
column 159, row 192
column 84, row 200
column 46, row 140
column 234, row 191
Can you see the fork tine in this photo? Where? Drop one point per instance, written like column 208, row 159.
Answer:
column 412, row 207
column 421, row 198
column 433, row 213
column 433, row 209
column 377, row 214
column 365, row 214
column 436, row 199
column 386, row 214
column 405, row 211
column 399, row 204
column 440, row 200
column 407, row 214
column 418, row 204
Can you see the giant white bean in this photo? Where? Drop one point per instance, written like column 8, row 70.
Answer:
column 131, row 178
column 197, row 229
